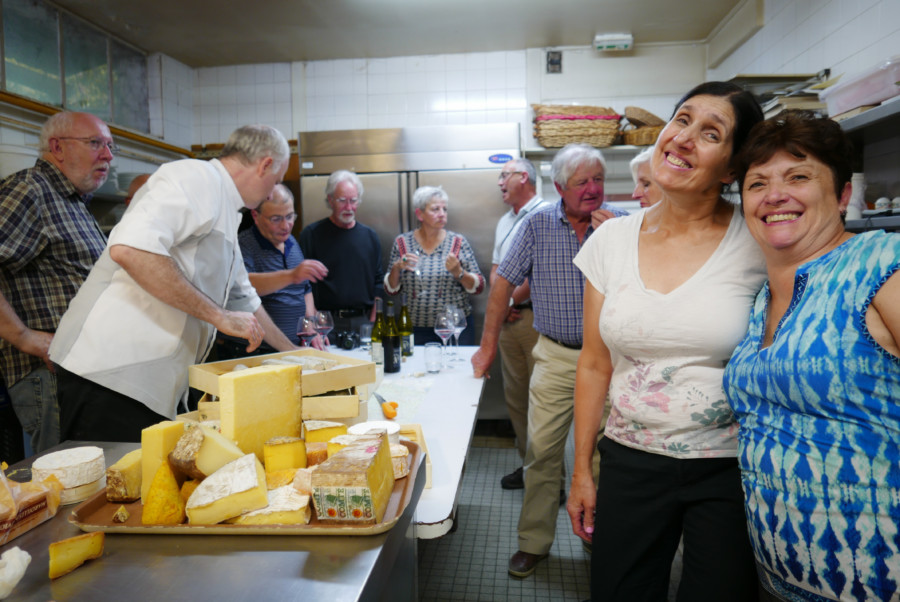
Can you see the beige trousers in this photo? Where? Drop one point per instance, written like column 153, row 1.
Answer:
column 517, row 339
column 551, row 410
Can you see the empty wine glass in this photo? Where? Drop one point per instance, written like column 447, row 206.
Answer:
column 306, row 329
column 324, row 323
column 459, row 324
column 365, row 335
column 443, row 327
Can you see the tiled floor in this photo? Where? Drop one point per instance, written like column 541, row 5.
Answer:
column 470, row 563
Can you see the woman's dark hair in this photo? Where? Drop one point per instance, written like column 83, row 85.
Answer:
column 799, row 133
column 747, row 111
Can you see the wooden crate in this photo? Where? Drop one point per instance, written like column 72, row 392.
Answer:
column 413, row 432
column 352, row 372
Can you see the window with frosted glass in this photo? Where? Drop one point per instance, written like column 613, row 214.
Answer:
column 129, row 86
column 31, row 50
column 86, row 66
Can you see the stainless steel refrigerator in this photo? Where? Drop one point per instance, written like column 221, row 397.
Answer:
column 465, row 160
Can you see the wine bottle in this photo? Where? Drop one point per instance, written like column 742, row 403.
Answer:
column 406, row 328
column 390, row 339
column 378, row 334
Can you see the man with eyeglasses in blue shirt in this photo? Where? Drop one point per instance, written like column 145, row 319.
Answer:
column 48, row 243
column 277, row 270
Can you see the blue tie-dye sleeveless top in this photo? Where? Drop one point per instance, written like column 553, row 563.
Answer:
column 819, row 440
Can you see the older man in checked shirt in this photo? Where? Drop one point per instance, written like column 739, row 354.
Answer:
column 542, row 251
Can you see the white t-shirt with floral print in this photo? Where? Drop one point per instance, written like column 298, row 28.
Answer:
column 669, row 350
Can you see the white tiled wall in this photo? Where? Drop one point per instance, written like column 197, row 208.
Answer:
column 171, row 89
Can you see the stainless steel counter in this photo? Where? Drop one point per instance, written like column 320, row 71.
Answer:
column 223, row 567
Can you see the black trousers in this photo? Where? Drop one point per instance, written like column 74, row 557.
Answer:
column 90, row 412
column 644, row 503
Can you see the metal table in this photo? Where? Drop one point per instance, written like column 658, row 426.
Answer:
column 224, row 567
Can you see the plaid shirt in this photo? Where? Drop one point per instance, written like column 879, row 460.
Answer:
column 48, row 243
column 542, row 251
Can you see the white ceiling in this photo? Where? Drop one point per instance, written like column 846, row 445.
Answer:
column 201, row 33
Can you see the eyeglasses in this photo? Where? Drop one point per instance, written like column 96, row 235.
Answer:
column 277, row 219
column 343, row 201
column 504, row 175
column 95, row 144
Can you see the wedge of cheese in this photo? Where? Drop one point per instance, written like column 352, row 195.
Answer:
column 400, row 460
column 235, row 489
column 202, row 451
column 156, row 443
column 354, row 486
column 258, row 404
column 188, row 487
column 303, row 480
column 8, row 506
column 122, row 515
column 316, row 453
column 282, row 453
column 280, row 478
column 336, row 444
column 286, row 507
column 164, row 504
column 123, row 479
column 321, row 431
column 69, row 554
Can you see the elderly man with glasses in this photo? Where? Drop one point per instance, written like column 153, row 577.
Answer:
column 277, row 270
column 48, row 243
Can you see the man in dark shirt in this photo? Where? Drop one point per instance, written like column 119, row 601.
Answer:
column 49, row 242
column 351, row 252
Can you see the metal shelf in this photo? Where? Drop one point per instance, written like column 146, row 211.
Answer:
column 884, row 111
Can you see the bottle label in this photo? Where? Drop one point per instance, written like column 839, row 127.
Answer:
column 377, row 353
column 407, row 343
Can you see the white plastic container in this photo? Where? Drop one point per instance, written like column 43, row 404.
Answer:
column 870, row 87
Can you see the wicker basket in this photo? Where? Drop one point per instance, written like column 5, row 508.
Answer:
column 642, row 136
column 638, row 117
column 558, row 125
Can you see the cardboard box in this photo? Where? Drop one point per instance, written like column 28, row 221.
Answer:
column 352, row 372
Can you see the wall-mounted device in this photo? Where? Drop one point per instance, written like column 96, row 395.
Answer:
column 613, row 41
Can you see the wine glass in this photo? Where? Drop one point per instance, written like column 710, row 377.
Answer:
column 324, row 323
column 365, row 335
column 459, row 325
column 306, row 329
column 443, row 327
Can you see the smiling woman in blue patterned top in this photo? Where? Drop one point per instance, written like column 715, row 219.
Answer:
column 434, row 267
column 815, row 384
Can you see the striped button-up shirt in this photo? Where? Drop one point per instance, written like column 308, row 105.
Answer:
column 48, row 243
column 542, row 251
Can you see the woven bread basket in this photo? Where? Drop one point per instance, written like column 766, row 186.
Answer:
column 638, row 117
column 642, row 136
column 558, row 125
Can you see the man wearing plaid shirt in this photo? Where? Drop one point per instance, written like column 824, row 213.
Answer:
column 48, row 243
column 542, row 251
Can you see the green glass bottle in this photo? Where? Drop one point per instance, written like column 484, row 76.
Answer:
column 405, row 326
column 390, row 339
column 378, row 334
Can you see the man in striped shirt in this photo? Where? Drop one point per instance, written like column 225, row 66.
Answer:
column 277, row 269
column 49, row 242
column 542, row 252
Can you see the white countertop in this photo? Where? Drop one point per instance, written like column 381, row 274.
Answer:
column 446, row 405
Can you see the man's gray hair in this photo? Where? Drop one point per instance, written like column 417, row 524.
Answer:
column 339, row 177
column 641, row 158
column 250, row 143
column 281, row 195
column 570, row 158
column 59, row 125
column 425, row 194
column 526, row 166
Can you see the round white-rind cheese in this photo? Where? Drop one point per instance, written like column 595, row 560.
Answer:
column 73, row 467
column 377, row 426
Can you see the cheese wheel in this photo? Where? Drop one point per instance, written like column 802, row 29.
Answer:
column 377, row 426
column 73, row 467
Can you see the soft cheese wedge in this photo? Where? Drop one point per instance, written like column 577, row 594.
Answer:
column 258, row 404
column 202, row 451
column 235, row 489
column 156, row 443
column 321, row 431
column 123, row 479
column 354, row 486
column 286, row 507
column 400, row 460
column 69, row 554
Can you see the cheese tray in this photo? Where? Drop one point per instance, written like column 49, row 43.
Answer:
column 96, row 514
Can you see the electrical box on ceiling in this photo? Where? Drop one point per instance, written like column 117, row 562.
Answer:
column 613, row 41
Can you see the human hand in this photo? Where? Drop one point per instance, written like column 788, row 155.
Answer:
column 513, row 315
column 452, row 264
column 320, row 343
column 481, row 362
column 598, row 216
column 244, row 325
column 409, row 262
column 309, row 269
column 580, row 506
column 36, row 343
